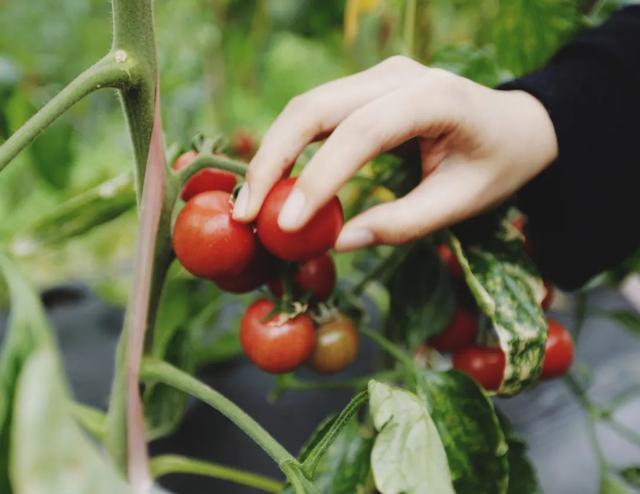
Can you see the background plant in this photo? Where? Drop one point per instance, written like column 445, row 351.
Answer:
column 62, row 203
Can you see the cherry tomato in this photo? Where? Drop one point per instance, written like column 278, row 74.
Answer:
column 337, row 346
column 208, row 241
column 459, row 334
column 558, row 351
column 450, row 260
column 276, row 345
column 204, row 180
column 258, row 272
column 485, row 365
column 243, row 144
column 313, row 240
column 316, row 276
column 548, row 297
column 519, row 222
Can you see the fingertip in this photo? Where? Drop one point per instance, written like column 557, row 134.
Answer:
column 354, row 237
column 292, row 216
column 241, row 205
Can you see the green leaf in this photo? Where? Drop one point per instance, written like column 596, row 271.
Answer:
column 631, row 475
column 52, row 155
column 50, row 453
column 469, row 430
column 478, row 64
column 525, row 33
column 422, row 296
column 611, row 485
column 408, row 455
column 27, row 332
column 345, row 466
column 78, row 215
column 314, row 455
column 508, row 290
column 522, row 475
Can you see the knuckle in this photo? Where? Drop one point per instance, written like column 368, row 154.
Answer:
column 398, row 62
column 298, row 104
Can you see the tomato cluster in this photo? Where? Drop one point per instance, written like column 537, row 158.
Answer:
column 486, row 364
column 277, row 334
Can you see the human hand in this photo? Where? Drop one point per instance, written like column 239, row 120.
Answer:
column 477, row 145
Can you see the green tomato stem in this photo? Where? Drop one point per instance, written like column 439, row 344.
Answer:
column 116, row 70
column 155, row 370
column 209, row 161
column 167, row 464
column 391, row 348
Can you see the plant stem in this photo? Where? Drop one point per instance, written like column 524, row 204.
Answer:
column 210, row 161
column 623, row 430
column 386, row 264
column 109, row 72
column 394, row 350
column 133, row 34
column 409, row 26
column 155, row 370
column 167, row 464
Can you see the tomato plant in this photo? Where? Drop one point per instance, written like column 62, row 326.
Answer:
column 336, row 347
column 232, row 68
column 208, row 241
column 276, row 343
column 313, row 240
column 484, row 364
column 316, row 277
column 558, row 351
column 204, row 180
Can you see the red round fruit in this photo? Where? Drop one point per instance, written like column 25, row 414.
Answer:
column 312, row 240
column 558, row 351
column 337, row 346
column 276, row 345
column 450, row 260
column 460, row 332
column 548, row 296
column 316, row 276
column 204, row 180
column 485, row 365
column 258, row 272
column 208, row 241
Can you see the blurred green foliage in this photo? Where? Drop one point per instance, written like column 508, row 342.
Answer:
column 225, row 65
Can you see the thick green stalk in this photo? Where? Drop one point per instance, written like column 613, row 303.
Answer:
column 133, row 34
column 116, row 70
column 167, row 464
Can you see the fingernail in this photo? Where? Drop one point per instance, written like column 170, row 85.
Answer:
column 292, row 210
column 242, row 203
column 354, row 238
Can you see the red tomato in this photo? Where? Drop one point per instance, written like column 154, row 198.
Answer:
column 337, row 346
column 548, row 297
column 204, row 180
column 558, row 351
column 459, row 334
column 313, row 240
column 208, row 241
column 273, row 345
column 450, row 260
column 316, row 276
column 485, row 365
column 519, row 222
column 259, row 270
column 243, row 144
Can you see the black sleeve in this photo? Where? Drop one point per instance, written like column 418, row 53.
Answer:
column 584, row 209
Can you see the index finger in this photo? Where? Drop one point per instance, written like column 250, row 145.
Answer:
column 312, row 114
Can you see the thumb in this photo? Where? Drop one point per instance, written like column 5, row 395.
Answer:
column 446, row 196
